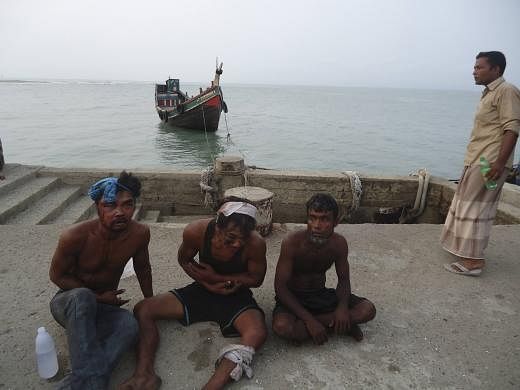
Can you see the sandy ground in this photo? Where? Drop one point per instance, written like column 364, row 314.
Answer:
column 433, row 330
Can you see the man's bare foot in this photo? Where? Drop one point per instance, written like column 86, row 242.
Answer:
column 355, row 332
column 152, row 382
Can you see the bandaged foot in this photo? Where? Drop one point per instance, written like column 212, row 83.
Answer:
column 240, row 354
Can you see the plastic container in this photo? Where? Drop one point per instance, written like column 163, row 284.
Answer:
column 46, row 357
column 485, row 167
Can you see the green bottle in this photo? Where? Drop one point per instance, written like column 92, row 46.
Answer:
column 484, row 169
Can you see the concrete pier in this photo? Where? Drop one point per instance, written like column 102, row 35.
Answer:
column 433, row 329
column 43, row 195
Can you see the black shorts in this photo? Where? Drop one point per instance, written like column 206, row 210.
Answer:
column 319, row 301
column 201, row 305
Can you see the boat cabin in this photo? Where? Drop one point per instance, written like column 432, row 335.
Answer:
column 169, row 94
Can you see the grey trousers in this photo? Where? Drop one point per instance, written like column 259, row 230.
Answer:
column 98, row 334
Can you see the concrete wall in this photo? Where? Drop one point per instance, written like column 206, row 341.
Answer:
column 293, row 188
column 178, row 192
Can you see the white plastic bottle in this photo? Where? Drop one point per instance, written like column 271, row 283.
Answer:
column 46, row 357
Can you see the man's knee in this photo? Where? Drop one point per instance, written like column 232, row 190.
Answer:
column 75, row 304
column 82, row 299
column 82, row 294
column 283, row 327
column 143, row 310
column 76, row 301
column 252, row 328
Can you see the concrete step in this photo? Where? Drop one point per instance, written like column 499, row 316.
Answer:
column 511, row 195
column 507, row 214
column 47, row 207
column 84, row 208
column 151, row 216
column 22, row 196
column 183, row 219
column 16, row 175
column 80, row 209
column 139, row 210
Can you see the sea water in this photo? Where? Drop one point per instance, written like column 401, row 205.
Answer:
column 114, row 125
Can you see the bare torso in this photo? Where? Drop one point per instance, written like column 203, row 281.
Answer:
column 99, row 260
column 240, row 261
column 310, row 262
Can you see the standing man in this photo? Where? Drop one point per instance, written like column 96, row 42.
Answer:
column 231, row 261
column 87, row 266
column 305, row 308
column 495, row 131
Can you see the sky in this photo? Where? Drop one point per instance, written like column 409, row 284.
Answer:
column 367, row 43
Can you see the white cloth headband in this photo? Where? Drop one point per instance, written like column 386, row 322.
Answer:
column 229, row 208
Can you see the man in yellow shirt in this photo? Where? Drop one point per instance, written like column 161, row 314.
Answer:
column 495, row 131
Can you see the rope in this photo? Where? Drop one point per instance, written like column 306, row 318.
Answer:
column 207, row 187
column 206, row 134
column 357, row 190
column 409, row 214
column 228, row 135
column 207, row 175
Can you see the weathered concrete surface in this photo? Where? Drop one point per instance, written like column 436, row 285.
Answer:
column 176, row 192
column 433, row 330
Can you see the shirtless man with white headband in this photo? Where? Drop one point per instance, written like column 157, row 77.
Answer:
column 231, row 260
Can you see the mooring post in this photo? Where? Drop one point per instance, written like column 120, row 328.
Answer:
column 229, row 173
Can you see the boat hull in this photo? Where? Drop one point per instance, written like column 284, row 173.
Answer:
column 201, row 112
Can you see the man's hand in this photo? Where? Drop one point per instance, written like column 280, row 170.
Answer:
column 341, row 322
column 111, row 297
column 316, row 330
column 202, row 272
column 222, row 288
column 496, row 171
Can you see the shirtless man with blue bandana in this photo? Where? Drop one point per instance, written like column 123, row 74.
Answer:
column 87, row 266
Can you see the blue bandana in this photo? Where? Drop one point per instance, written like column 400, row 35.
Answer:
column 107, row 189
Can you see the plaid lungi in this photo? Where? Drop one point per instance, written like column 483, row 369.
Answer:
column 471, row 215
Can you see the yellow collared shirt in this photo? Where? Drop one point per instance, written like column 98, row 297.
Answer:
column 498, row 112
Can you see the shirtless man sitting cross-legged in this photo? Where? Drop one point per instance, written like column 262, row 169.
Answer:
column 305, row 308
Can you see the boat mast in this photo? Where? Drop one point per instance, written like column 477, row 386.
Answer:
column 218, row 72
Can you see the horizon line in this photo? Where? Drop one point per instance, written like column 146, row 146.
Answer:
column 252, row 84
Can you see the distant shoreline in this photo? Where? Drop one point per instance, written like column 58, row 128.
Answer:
column 23, row 81
column 229, row 84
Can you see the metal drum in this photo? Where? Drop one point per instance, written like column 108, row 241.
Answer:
column 263, row 201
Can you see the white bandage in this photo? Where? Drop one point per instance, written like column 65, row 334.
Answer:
column 229, row 208
column 240, row 354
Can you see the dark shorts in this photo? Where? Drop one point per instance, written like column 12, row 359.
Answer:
column 201, row 305
column 317, row 301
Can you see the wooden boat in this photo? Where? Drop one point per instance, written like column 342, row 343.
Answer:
column 200, row 112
